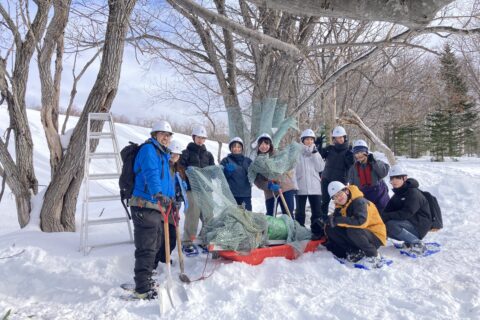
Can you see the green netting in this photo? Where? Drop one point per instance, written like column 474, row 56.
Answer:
column 273, row 167
column 232, row 227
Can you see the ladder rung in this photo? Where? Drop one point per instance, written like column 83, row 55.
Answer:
column 99, row 116
column 90, row 247
column 104, row 198
column 101, row 135
column 104, row 176
column 103, row 155
column 107, row 221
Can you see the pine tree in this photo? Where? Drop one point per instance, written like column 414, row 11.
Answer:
column 450, row 126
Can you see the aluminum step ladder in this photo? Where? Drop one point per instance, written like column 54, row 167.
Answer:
column 88, row 198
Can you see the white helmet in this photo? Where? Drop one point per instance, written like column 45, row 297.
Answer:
column 308, row 133
column 339, row 131
column 360, row 146
column 334, row 187
column 397, row 170
column 236, row 139
column 199, row 131
column 162, row 125
column 175, row 147
column 264, row 136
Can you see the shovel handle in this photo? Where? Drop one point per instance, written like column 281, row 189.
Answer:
column 284, row 203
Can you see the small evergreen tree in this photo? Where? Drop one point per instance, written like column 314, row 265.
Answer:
column 450, row 126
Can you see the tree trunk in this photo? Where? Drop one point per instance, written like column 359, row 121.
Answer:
column 58, row 210
column 50, row 88
column 407, row 12
column 21, row 174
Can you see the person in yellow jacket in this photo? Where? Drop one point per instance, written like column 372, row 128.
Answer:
column 355, row 230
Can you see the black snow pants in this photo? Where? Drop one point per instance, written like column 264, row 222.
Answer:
column 343, row 240
column 149, row 245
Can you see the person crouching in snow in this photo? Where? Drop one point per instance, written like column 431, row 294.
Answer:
column 407, row 214
column 286, row 183
column 355, row 230
column 235, row 168
column 367, row 173
column 152, row 193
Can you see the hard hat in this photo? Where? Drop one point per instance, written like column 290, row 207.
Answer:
column 308, row 133
column 162, row 125
column 339, row 131
column 236, row 139
column 397, row 170
column 334, row 187
column 264, row 136
column 175, row 147
column 360, row 146
column 199, row 131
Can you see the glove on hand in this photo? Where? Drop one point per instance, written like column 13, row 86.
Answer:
column 272, row 186
column 370, row 158
column 230, row 167
column 331, row 221
column 319, row 141
column 164, row 201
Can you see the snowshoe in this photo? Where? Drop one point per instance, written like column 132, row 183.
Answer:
column 417, row 250
column 190, row 250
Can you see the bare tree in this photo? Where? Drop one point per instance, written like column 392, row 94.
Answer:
column 50, row 87
column 58, row 210
column 20, row 175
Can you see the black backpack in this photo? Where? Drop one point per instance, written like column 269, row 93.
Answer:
column 127, row 177
column 435, row 211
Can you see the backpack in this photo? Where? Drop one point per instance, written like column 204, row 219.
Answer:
column 126, row 181
column 435, row 211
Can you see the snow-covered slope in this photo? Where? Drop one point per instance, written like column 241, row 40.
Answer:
column 51, row 279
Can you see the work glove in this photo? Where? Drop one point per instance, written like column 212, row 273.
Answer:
column 163, row 200
column 331, row 221
column 273, row 186
column 230, row 167
column 317, row 228
column 319, row 141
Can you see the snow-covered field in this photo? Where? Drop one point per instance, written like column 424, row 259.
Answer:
column 51, row 279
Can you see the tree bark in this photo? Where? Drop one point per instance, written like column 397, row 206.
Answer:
column 21, row 171
column 51, row 87
column 58, row 210
column 412, row 13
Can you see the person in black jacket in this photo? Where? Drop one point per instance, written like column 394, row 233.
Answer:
column 196, row 155
column 338, row 160
column 235, row 168
column 407, row 214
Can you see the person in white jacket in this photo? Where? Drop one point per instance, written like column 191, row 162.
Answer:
column 309, row 166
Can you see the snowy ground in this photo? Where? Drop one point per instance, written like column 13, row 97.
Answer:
column 51, row 279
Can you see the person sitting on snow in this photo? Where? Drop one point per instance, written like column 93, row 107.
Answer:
column 153, row 192
column 355, row 230
column 286, row 183
column 235, row 168
column 196, row 155
column 367, row 173
column 407, row 214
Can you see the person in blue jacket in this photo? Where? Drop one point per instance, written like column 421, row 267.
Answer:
column 235, row 168
column 153, row 192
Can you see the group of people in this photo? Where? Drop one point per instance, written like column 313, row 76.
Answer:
column 363, row 217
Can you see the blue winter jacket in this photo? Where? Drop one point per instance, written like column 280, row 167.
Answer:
column 238, row 179
column 152, row 172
